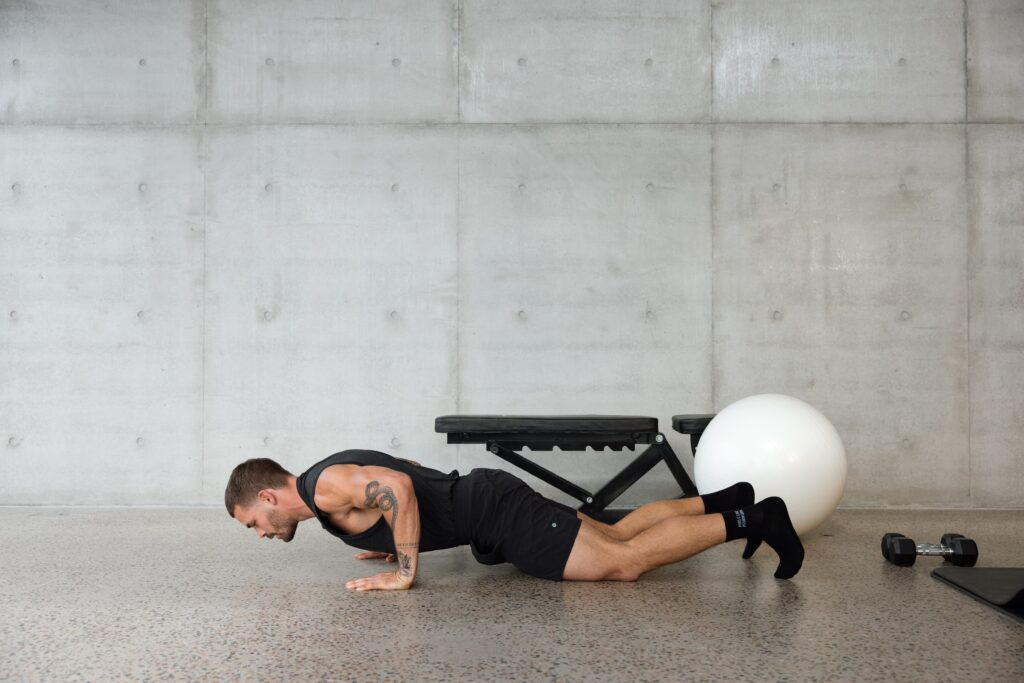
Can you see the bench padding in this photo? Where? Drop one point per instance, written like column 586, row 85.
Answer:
column 690, row 424
column 545, row 424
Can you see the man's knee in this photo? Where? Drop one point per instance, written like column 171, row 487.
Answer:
column 628, row 564
column 626, row 572
column 608, row 569
column 597, row 557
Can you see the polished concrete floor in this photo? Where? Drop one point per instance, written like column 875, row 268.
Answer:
column 188, row 594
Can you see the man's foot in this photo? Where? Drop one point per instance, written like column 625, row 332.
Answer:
column 768, row 521
column 733, row 498
column 778, row 532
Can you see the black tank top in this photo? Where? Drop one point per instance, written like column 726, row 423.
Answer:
column 433, row 497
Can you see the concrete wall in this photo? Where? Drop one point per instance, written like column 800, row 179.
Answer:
column 236, row 228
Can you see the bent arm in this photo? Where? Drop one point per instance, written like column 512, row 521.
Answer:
column 393, row 493
column 345, row 487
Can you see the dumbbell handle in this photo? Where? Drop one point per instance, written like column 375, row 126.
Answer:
column 934, row 549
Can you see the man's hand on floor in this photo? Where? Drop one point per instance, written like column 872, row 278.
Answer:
column 385, row 581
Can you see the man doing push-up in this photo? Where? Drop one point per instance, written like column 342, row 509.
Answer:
column 395, row 509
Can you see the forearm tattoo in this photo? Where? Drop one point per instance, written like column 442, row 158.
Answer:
column 404, row 564
column 384, row 498
column 405, row 561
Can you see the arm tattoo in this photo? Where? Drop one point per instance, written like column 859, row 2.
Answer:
column 404, row 564
column 384, row 498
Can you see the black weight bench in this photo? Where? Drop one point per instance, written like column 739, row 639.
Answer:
column 504, row 435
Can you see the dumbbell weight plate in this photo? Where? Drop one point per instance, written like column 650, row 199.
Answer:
column 965, row 552
column 887, row 545
column 904, row 551
column 947, row 539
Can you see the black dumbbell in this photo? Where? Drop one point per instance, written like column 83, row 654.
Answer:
column 964, row 550
column 899, row 549
column 954, row 548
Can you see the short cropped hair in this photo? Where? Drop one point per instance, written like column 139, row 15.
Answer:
column 251, row 477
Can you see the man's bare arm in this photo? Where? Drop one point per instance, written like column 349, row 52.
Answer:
column 401, row 511
column 391, row 492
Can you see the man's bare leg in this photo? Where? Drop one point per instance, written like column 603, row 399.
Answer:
column 646, row 516
column 596, row 556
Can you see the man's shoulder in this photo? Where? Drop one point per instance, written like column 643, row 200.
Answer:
column 329, row 468
column 338, row 475
column 333, row 484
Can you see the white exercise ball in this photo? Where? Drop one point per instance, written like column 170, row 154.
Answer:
column 783, row 447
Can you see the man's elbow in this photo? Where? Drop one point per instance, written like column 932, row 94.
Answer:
column 403, row 486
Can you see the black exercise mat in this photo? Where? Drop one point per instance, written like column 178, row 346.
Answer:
column 998, row 587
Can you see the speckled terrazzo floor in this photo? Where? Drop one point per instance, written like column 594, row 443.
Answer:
column 188, row 594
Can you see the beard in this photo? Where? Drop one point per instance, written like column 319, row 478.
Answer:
column 284, row 528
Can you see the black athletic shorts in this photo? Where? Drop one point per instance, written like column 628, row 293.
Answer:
column 505, row 520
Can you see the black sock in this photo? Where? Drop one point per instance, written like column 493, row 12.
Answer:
column 739, row 523
column 733, row 498
column 768, row 521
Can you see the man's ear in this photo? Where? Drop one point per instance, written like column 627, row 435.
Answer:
column 267, row 496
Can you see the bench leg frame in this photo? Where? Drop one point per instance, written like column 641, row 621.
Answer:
column 594, row 504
